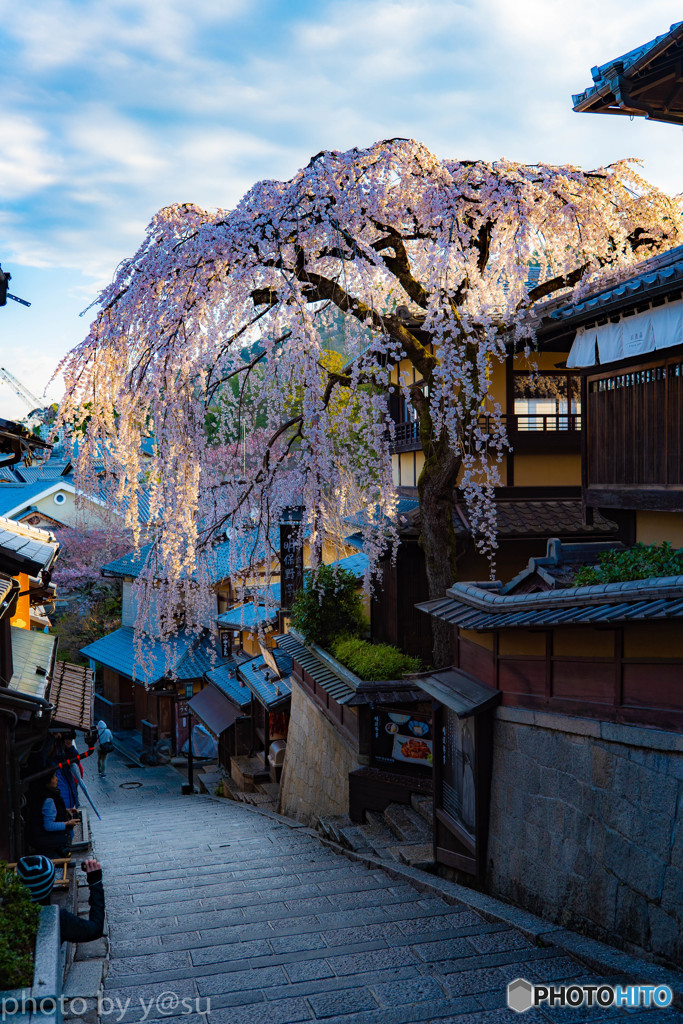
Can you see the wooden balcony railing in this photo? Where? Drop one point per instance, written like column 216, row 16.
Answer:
column 634, row 437
column 117, row 716
column 520, row 428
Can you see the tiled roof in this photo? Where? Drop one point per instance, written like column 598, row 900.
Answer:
column 606, row 76
column 478, row 607
column 183, row 656
column 659, row 275
column 226, row 680
column 25, row 548
column 52, row 469
column 32, row 657
column 127, row 565
column 340, row 690
column 273, row 693
column 15, row 496
column 526, row 517
column 350, row 690
column 247, row 616
column 356, row 563
column 71, row 692
column 221, row 560
column 201, row 658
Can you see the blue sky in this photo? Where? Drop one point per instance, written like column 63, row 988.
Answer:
column 113, row 108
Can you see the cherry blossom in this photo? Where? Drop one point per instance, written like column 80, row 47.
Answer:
column 426, row 259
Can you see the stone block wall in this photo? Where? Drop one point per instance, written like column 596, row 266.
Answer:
column 586, row 828
column 315, row 780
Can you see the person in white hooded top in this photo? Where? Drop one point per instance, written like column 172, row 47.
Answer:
column 106, row 745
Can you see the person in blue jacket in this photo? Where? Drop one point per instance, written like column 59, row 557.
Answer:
column 37, row 872
column 51, row 822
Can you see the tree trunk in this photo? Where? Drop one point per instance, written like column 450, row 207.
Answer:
column 437, row 536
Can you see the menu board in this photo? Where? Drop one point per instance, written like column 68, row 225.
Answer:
column 401, row 738
column 457, row 773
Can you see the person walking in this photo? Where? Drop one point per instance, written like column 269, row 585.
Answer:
column 37, row 873
column 106, row 745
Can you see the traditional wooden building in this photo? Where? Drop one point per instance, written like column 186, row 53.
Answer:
column 540, row 493
column 36, row 691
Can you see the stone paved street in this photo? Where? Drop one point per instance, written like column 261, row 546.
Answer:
column 250, row 921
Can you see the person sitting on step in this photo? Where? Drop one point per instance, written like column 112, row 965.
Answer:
column 51, row 823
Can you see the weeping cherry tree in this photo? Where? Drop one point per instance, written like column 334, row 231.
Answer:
column 231, row 309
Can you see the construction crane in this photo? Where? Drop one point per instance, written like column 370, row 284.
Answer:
column 21, row 390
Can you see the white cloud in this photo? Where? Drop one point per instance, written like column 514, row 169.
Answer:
column 26, row 164
column 114, row 108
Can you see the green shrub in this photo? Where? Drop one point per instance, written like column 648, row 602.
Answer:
column 327, row 605
column 373, row 661
column 18, row 928
column 640, row 562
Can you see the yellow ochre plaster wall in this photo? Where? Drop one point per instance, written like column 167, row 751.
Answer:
column 655, row 527
column 547, row 470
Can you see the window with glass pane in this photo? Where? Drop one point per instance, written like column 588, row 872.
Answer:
column 547, row 401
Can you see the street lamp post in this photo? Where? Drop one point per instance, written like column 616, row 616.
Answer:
column 189, row 788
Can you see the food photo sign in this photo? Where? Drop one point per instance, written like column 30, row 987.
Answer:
column 401, row 738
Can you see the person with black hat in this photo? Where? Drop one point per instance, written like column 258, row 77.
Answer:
column 37, row 872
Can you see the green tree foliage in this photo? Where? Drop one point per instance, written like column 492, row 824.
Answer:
column 18, row 929
column 85, row 621
column 373, row 661
column 640, row 562
column 328, row 605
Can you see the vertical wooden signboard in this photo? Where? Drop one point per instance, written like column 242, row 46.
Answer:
column 291, row 557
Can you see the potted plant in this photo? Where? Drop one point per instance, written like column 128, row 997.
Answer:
column 30, row 963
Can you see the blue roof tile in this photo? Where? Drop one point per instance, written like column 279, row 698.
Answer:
column 225, row 678
column 184, row 656
column 271, row 693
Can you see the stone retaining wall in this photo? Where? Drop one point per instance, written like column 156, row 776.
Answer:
column 317, row 765
column 586, row 827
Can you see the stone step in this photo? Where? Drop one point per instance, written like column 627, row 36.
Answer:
column 272, row 789
column 417, row 855
column 209, row 781
column 424, row 805
column 331, row 827
column 353, row 838
column 406, row 824
column 379, row 836
column 84, row 979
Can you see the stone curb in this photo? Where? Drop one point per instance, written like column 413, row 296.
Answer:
column 595, row 955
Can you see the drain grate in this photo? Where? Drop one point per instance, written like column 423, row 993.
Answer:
column 130, row 785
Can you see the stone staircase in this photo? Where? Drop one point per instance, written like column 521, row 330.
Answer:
column 403, row 833
column 266, row 795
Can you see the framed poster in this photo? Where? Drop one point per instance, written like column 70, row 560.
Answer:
column 401, row 739
column 458, row 796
